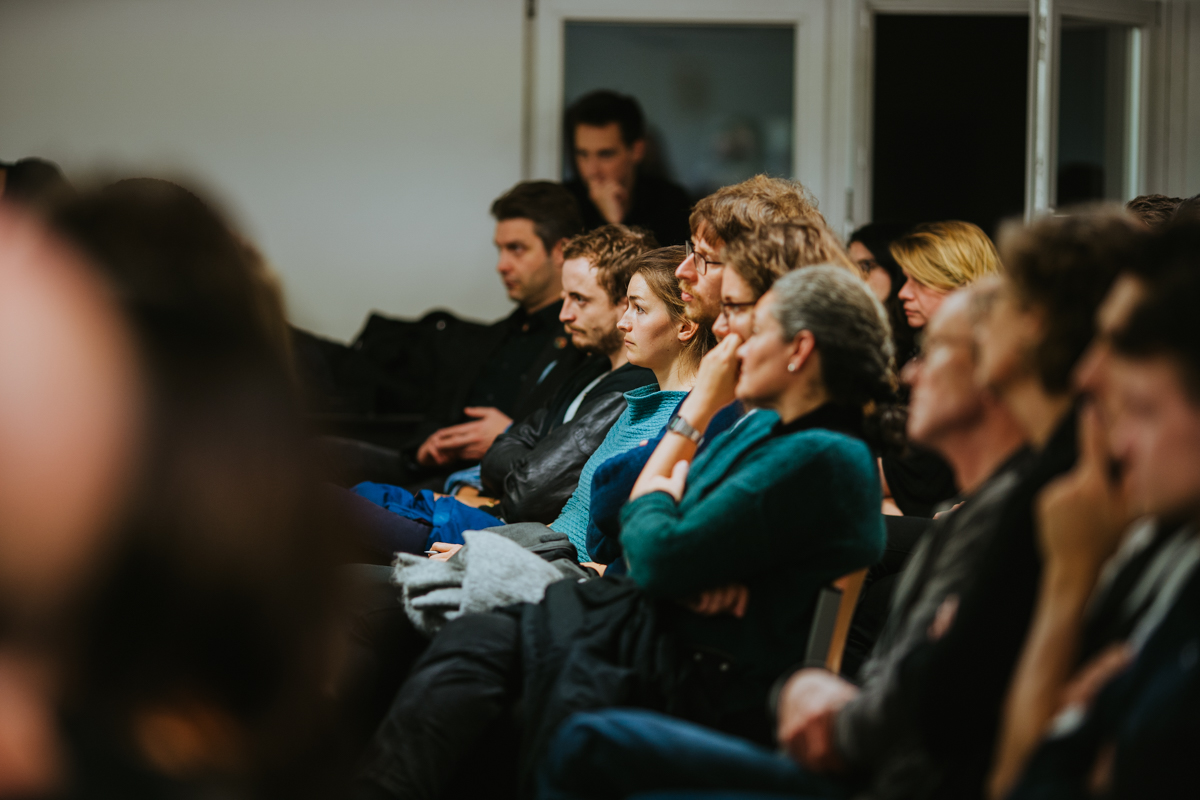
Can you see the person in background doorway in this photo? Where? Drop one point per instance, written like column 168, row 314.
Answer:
column 606, row 134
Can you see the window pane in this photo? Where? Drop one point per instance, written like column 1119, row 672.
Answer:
column 717, row 98
column 1092, row 111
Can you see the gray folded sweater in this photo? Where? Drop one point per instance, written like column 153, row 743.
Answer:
column 489, row 572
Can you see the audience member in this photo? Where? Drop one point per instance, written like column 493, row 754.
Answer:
column 752, row 205
column 935, row 259
column 34, row 184
column 864, row 738
column 722, row 217
column 938, row 258
column 1040, row 322
column 1104, row 676
column 1154, row 210
column 605, row 133
column 538, row 455
column 870, row 248
column 537, row 464
column 203, row 639
column 533, row 222
column 72, row 430
column 821, row 350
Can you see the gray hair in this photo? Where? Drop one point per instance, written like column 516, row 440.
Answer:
column 850, row 327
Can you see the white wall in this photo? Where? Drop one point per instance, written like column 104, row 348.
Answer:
column 359, row 142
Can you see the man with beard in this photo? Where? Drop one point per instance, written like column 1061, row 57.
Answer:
column 534, row 466
column 722, row 217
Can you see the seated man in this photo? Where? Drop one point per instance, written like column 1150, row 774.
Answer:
column 516, row 369
column 1109, row 687
column 607, row 137
column 534, row 468
column 823, row 717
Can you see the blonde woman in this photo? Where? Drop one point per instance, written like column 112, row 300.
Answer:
column 938, row 258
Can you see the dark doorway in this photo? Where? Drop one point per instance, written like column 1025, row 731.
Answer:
column 949, row 126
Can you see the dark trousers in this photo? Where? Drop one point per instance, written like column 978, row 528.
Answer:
column 449, row 731
column 622, row 753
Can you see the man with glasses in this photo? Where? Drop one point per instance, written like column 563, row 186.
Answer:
column 722, row 217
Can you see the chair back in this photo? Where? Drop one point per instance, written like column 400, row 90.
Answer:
column 831, row 621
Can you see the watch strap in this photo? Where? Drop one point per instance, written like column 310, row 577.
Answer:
column 679, row 425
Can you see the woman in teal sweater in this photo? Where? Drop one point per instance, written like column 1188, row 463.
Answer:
column 784, row 503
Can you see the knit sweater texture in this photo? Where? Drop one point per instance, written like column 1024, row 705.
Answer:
column 782, row 515
column 645, row 415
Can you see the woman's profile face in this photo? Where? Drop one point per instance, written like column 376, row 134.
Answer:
column 877, row 277
column 920, row 302
column 764, row 357
column 737, row 307
column 651, row 338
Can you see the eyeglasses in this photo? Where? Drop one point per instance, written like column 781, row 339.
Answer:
column 732, row 309
column 702, row 264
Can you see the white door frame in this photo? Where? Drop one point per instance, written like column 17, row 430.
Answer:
column 1042, row 120
column 809, row 18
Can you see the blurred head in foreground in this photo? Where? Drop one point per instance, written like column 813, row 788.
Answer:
column 158, row 547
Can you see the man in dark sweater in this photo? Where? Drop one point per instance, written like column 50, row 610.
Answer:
column 606, row 134
column 533, row 222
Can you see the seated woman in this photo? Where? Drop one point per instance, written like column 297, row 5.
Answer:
column 658, row 338
column 782, row 504
column 935, row 259
column 753, row 264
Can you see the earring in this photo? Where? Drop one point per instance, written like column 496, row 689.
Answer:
column 791, row 367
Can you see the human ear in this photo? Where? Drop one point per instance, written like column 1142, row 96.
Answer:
column 638, row 151
column 687, row 330
column 556, row 255
column 803, row 346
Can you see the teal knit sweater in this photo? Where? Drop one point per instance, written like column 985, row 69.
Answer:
column 644, row 417
column 782, row 515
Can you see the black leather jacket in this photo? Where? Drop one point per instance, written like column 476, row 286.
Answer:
column 542, row 478
column 534, row 466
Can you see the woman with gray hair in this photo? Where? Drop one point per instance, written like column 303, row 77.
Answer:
column 782, row 504
column 786, row 501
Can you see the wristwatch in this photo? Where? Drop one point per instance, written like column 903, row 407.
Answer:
column 684, row 428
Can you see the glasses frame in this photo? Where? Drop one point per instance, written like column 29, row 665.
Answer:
column 698, row 260
column 736, row 307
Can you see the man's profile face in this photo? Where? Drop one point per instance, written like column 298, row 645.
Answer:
column 945, row 396
column 701, row 294
column 588, row 314
column 528, row 272
column 601, row 155
column 1154, row 435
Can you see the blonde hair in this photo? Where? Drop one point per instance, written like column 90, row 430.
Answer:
column 759, row 258
column 946, row 255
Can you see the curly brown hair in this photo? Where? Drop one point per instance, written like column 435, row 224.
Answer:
column 612, row 250
column 731, row 211
column 774, row 250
